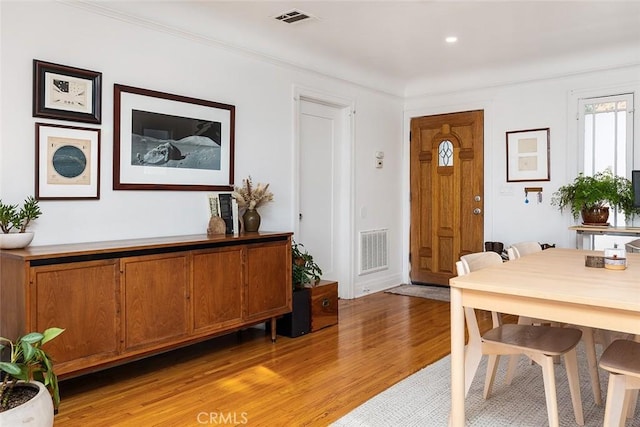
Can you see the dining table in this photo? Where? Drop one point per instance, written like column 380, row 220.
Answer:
column 553, row 284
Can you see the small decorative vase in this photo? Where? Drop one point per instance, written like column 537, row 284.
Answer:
column 251, row 219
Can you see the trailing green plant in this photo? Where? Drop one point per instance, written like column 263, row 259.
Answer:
column 28, row 362
column 304, row 270
column 597, row 191
column 11, row 216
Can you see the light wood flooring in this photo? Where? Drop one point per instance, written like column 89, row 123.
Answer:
column 244, row 379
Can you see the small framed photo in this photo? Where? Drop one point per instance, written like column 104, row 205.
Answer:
column 171, row 142
column 67, row 162
column 528, row 155
column 66, row 93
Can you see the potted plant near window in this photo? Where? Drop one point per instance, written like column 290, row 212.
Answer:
column 29, row 387
column 592, row 196
column 304, row 273
column 14, row 222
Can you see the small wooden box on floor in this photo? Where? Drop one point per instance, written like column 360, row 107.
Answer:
column 324, row 304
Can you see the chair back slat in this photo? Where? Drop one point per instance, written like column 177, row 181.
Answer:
column 479, row 260
column 521, row 249
column 473, row 262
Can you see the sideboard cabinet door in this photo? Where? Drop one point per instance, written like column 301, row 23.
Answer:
column 217, row 289
column 268, row 280
column 155, row 299
column 82, row 298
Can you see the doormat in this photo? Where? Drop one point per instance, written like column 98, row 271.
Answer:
column 439, row 293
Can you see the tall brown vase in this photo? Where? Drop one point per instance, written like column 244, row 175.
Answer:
column 251, row 219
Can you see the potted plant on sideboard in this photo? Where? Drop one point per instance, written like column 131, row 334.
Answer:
column 592, row 196
column 29, row 386
column 14, row 221
column 304, row 273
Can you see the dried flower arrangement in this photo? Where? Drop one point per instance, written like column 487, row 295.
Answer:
column 250, row 196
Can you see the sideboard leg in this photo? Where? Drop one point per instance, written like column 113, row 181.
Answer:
column 273, row 329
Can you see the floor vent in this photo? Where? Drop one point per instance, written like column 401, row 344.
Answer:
column 293, row 16
column 373, row 251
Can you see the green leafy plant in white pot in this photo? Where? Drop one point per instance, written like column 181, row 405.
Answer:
column 29, row 392
column 14, row 221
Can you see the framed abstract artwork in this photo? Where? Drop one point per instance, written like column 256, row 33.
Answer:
column 66, row 93
column 528, row 155
column 171, row 142
column 67, row 162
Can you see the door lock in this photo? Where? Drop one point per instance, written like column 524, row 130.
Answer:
column 477, row 211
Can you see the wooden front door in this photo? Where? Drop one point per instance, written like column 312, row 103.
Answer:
column 447, row 197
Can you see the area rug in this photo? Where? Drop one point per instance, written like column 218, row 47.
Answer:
column 423, row 399
column 439, row 293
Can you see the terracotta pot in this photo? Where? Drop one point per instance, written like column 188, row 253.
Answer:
column 595, row 216
column 37, row 412
column 251, row 219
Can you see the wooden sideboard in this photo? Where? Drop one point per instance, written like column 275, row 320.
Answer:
column 123, row 300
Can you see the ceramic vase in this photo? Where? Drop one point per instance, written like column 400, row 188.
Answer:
column 595, row 216
column 15, row 240
column 251, row 219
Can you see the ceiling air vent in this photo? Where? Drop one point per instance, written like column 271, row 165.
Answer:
column 292, row 17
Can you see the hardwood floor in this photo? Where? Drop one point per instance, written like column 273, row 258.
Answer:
column 244, row 379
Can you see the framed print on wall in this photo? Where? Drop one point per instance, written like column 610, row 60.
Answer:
column 66, row 93
column 67, row 162
column 528, row 155
column 171, row 142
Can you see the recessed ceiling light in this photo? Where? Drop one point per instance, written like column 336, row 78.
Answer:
column 451, row 39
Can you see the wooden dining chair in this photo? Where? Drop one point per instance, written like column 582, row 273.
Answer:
column 622, row 360
column 539, row 343
column 632, row 246
column 521, row 249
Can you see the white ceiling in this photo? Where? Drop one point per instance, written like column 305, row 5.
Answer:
column 395, row 45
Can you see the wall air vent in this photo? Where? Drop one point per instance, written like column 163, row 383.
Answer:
column 293, row 16
column 373, row 251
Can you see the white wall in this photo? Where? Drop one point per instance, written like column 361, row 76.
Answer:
column 262, row 91
column 535, row 104
column 145, row 57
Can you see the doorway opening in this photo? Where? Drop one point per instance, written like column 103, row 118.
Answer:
column 323, row 182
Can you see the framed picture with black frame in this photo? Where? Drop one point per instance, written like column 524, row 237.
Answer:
column 66, row 93
column 67, row 162
column 171, row 142
column 528, row 155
